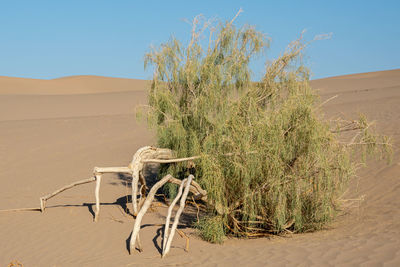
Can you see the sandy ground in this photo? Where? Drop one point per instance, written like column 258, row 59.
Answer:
column 53, row 132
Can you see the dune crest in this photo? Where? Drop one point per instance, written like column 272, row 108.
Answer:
column 85, row 84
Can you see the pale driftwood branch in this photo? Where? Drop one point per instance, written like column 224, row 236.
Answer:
column 142, row 156
column 141, row 197
column 21, row 209
column 44, row 199
column 136, row 167
column 326, row 101
column 178, row 214
column 170, row 160
column 169, row 214
column 145, row 207
column 97, row 195
column 187, row 159
column 195, row 189
column 112, row 170
column 98, row 171
column 143, row 183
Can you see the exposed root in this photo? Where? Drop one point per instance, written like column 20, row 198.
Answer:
column 198, row 210
column 195, row 189
column 178, row 214
column 144, row 155
column 183, row 235
column 145, row 207
column 166, row 228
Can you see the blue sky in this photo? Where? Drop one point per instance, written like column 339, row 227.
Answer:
column 50, row 39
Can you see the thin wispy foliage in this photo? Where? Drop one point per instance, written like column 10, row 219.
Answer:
column 270, row 163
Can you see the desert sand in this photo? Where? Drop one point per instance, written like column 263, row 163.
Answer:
column 54, row 132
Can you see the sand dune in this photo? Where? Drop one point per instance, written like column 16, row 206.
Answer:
column 68, row 85
column 53, row 132
column 75, row 96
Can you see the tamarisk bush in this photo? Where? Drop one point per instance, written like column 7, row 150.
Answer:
column 269, row 162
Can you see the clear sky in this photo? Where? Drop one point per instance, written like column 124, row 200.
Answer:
column 50, row 39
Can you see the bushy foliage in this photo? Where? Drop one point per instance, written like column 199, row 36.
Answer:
column 269, row 162
column 211, row 229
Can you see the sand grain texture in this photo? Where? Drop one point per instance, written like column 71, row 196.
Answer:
column 54, row 132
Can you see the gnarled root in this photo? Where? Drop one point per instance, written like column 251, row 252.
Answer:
column 144, row 155
column 137, row 165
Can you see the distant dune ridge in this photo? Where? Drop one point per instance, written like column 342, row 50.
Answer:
column 72, row 96
column 85, row 84
column 53, row 132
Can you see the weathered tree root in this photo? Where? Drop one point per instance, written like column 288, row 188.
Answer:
column 136, row 166
column 167, row 241
column 167, row 220
column 144, row 155
column 145, row 207
column 195, row 189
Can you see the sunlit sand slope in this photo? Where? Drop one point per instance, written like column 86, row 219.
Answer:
column 54, row 132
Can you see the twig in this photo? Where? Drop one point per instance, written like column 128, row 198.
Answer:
column 198, row 209
column 115, row 220
column 326, row 101
column 183, row 235
column 235, row 17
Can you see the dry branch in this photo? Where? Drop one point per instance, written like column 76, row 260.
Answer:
column 112, row 170
column 167, row 220
column 145, row 207
column 44, row 199
column 21, row 209
column 175, row 160
column 178, row 214
column 183, row 235
column 195, row 189
column 137, row 165
column 144, row 155
column 97, row 195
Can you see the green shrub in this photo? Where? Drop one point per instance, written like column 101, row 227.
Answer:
column 270, row 163
column 211, row 229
